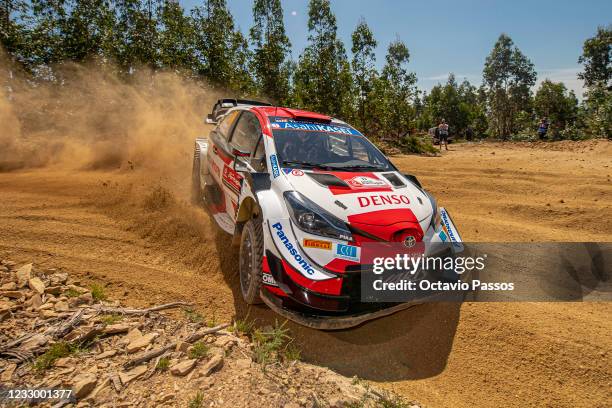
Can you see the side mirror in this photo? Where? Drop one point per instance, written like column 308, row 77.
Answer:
column 240, row 164
column 210, row 120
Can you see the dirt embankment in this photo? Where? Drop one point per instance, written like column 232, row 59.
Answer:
column 114, row 225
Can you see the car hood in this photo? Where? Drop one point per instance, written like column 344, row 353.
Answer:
column 383, row 204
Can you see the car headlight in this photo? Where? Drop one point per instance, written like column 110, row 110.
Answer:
column 311, row 218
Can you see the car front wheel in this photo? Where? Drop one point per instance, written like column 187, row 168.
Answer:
column 251, row 257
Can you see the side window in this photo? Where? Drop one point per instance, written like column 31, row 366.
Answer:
column 226, row 124
column 246, row 133
column 258, row 160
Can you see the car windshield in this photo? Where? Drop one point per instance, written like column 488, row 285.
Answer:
column 327, row 150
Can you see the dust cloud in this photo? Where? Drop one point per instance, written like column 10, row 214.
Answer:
column 89, row 118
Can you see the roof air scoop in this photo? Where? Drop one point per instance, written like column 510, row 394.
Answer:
column 326, row 180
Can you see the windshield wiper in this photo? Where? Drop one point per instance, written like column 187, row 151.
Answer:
column 305, row 163
column 360, row 167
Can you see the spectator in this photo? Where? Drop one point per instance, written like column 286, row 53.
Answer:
column 543, row 128
column 443, row 133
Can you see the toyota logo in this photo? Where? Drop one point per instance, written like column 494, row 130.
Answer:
column 409, row 241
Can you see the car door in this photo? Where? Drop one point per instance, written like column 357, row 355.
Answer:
column 219, row 155
column 245, row 135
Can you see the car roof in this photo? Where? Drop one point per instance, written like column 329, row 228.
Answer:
column 297, row 114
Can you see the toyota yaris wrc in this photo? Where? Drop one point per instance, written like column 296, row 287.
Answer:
column 302, row 193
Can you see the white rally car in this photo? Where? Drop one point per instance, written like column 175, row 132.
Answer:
column 302, row 193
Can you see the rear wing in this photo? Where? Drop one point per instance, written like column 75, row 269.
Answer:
column 223, row 105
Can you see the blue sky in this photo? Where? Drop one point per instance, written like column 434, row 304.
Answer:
column 456, row 36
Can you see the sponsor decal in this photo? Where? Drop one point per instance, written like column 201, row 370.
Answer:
column 347, row 252
column 383, row 199
column 364, row 181
column 314, row 127
column 292, row 249
column 409, row 241
column 215, row 168
column 443, row 236
column 316, row 243
column 274, row 164
column 287, row 171
column 297, row 172
column 268, row 279
column 448, row 229
column 231, row 179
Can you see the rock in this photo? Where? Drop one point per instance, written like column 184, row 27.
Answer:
column 132, row 374
column 58, row 278
column 215, row 362
column 9, row 286
column 61, row 307
column 117, row 328
column 64, row 362
column 243, row 363
column 53, row 290
column 35, row 301
column 4, row 314
column 23, row 275
column 128, row 338
column 83, row 385
column 141, row 342
column 86, row 298
column 34, row 342
column 225, row 343
column 167, row 397
column 47, row 306
column 12, row 294
column 183, row 368
column 182, row 346
column 7, row 374
column 47, row 313
column 37, row 285
column 108, row 353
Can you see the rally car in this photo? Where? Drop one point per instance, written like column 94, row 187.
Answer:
column 301, row 193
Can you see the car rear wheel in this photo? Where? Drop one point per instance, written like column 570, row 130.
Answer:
column 251, row 257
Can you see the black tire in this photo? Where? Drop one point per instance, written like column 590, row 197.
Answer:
column 250, row 262
column 196, row 190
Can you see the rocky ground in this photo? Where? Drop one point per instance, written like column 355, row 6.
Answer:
column 57, row 334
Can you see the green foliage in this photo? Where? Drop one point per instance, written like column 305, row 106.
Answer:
column 97, row 292
column 554, row 102
column 243, row 326
column 271, row 50
column 193, row 316
column 204, row 43
column 198, row 350
column 55, row 352
column 163, row 364
column 597, row 59
column 197, row 401
column 508, row 77
column 273, row 345
column 111, row 319
column 71, row 293
column 323, row 81
column 597, row 75
column 364, row 74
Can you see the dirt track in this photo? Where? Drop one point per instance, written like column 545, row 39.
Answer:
column 147, row 245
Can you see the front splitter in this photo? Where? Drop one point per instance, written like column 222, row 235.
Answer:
column 331, row 322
